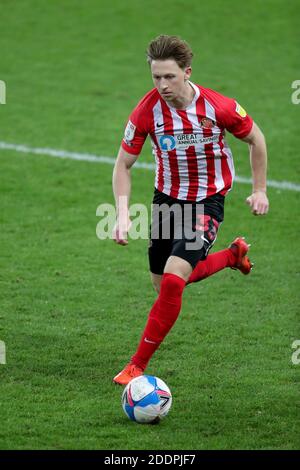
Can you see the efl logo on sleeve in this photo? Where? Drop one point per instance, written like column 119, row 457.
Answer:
column 240, row 110
column 129, row 132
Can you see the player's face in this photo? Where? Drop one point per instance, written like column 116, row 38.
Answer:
column 169, row 78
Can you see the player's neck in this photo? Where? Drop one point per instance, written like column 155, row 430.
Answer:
column 185, row 98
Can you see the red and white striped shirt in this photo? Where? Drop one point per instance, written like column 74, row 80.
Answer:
column 193, row 160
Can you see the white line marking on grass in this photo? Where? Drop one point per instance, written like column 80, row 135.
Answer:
column 88, row 157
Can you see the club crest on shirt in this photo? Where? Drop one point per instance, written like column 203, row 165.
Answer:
column 129, row 132
column 207, row 123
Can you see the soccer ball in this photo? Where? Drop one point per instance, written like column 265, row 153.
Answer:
column 146, row 399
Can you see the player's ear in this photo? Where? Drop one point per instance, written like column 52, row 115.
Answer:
column 187, row 73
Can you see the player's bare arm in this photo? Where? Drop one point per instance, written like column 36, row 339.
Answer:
column 258, row 200
column 121, row 188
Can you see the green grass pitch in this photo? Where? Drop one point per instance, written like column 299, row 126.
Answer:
column 72, row 306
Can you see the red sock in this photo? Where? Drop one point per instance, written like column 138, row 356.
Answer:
column 162, row 317
column 212, row 264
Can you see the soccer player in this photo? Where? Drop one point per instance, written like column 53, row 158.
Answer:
column 194, row 168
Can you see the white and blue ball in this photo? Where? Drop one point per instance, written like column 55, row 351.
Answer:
column 146, row 399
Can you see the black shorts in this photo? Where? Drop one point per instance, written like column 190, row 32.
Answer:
column 183, row 228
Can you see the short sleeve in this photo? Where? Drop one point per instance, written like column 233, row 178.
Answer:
column 135, row 133
column 235, row 119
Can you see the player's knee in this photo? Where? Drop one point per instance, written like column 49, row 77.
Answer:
column 178, row 266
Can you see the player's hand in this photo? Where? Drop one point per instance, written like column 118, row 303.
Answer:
column 121, row 230
column 258, row 202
